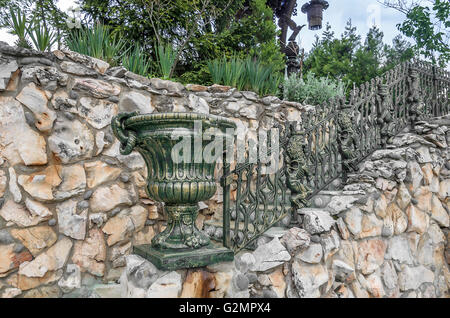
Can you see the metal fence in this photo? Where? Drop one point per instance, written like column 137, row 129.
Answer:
column 325, row 145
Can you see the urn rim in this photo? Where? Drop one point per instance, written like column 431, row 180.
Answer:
column 177, row 118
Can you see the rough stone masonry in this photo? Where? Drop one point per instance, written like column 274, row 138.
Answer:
column 71, row 207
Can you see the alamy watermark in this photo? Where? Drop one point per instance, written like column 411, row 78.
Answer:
column 374, row 15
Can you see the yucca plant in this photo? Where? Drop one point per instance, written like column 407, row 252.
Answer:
column 115, row 48
column 228, row 72
column 249, row 74
column 217, row 69
column 271, row 85
column 260, row 78
column 166, row 58
column 234, row 73
column 97, row 42
column 43, row 39
column 137, row 61
column 17, row 24
column 256, row 75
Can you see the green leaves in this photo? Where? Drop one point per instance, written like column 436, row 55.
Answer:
column 43, row 38
column 248, row 74
column 351, row 60
column 137, row 61
column 424, row 25
column 98, row 42
column 17, row 24
column 261, row 78
column 224, row 28
column 166, row 59
column 230, row 72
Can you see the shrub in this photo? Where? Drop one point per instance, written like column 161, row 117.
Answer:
column 200, row 75
column 230, row 72
column 261, row 78
column 312, row 90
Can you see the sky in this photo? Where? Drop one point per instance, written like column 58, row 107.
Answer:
column 8, row 38
column 364, row 14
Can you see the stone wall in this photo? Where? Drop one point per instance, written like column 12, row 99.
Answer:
column 384, row 235
column 72, row 207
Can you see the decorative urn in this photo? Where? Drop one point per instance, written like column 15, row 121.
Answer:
column 181, row 152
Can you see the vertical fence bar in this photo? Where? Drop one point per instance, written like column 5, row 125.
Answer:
column 226, row 201
column 434, row 92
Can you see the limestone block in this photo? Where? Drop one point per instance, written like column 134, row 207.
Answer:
column 36, row 100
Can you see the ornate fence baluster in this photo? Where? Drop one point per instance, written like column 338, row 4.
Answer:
column 385, row 119
column 414, row 98
column 347, row 140
column 298, row 173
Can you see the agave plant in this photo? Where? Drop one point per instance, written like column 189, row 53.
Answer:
column 43, row 39
column 137, row 61
column 97, row 42
column 17, row 24
column 166, row 59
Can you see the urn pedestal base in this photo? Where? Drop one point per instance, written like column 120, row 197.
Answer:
column 173, row 259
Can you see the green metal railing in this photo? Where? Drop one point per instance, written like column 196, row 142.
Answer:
column 325, row 145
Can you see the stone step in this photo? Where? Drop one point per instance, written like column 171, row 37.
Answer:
column 107, row 291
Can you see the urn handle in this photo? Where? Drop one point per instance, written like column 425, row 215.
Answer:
column 126, row 137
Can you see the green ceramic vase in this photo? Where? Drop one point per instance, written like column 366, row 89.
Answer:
column 180, row 185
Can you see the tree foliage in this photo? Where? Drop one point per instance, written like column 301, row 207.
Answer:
column 428, row 23
column 198, row 30
column 350, row 59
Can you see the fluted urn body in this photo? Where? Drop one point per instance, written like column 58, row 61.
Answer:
column 181, row 152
